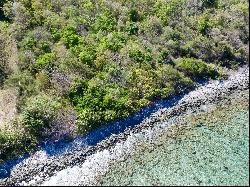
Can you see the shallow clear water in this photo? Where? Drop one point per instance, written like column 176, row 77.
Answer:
column 210, row 149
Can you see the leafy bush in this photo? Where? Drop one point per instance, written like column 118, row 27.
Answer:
column 97, row 106
column 45, row 61
column 100, row 100
column 12, row 144
column 166, row 9
column 104, row 22
column 28, row 43
column 163, row 55
column 132, row 29
column 134, row 15
column 70, row 37
column 152, row 27
column 204, row 24
column 139, row 54
column 210, row 3
column 87, row 55
column 171, row 81
column 2, row 16
column 195, row 68
column 113, row 41
column 24, row 81
column 38, row 113
column 4, row 56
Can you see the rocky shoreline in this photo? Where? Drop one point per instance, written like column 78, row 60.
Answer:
column 39, row 168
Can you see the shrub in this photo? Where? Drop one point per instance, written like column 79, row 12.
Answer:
column 163, row 56
column 170, row 81
column 45, row 61
column 226, row 56
column 132, row 29
column 37, row 41
column 87, row 120
column 4, row 56
column 142, row 83
column 42, row 80
column 152, row 27
column 38, row 113
column 134, row 15
column 2, row 15
column 139, row 54
column 87, row 55
column 70, row 37
column 24, row 81
column 167, row 9
column 28, row 43
column 210, row 3
column 3, row 72
column 12, row 144
column 97, row 105
column 195, row 68
column 204, row 23
column 2, row 76
column 104, row 22
column 113, row 41
column 63, row 126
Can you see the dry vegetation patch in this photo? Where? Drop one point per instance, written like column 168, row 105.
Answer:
column 8, row 103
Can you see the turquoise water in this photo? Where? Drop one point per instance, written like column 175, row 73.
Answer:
column 209, row 149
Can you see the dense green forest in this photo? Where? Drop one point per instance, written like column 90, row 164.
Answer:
column 78, row 64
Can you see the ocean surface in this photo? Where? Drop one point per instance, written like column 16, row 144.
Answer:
column 210, row 148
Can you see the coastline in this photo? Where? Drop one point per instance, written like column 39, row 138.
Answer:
column 207, row 148
column 31, row 172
